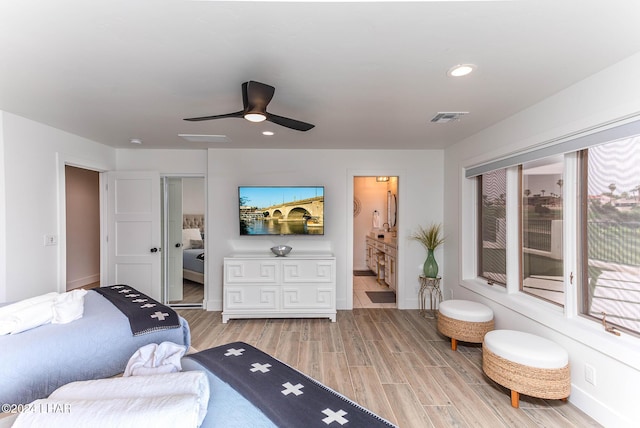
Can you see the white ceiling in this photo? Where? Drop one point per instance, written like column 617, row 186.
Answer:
column 369, row 75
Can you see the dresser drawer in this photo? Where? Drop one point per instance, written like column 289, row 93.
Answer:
column 307, row 271
column 256, row 297
column 251, row 272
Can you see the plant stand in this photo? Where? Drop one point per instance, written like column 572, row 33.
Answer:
column 435, row 295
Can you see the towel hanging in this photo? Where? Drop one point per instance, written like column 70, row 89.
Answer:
column 376, row 219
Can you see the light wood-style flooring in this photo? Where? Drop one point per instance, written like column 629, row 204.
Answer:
column 392, row 362
column 192, row 292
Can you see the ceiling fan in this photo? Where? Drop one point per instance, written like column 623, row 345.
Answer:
column 255, row 97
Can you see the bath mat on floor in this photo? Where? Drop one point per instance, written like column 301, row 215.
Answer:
column 364, row 273
column 381, row 296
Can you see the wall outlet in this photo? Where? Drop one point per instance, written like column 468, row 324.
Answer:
column 590, row 374
column 50, row 240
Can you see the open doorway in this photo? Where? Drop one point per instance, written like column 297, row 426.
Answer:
column 184, row 236
column 82, row 207
column 375, row 248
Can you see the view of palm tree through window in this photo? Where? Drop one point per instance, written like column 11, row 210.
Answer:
column 607, row 227
column 611, row 228
column 542, row 258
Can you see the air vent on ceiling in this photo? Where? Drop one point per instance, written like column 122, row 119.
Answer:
column 448, row 116
column 197, row 138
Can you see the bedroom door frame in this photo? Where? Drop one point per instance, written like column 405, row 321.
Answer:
column 62, row 160
column 401, row 289
column 198, row 305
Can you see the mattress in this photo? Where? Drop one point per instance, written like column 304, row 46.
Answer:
column 36, row 362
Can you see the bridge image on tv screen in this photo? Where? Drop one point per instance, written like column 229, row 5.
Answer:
column 281, row 210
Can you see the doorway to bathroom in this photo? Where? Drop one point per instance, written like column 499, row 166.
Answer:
column 375, row 249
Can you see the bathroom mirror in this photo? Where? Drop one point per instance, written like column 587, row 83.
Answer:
column 392, row 208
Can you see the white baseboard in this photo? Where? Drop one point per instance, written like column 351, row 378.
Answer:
column 599, row 411
column 213, row 305
column 81, row 282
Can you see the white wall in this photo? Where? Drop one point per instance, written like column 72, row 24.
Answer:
column 31, row 174
column 420, row 179
column 193, row 195
column 3, row 224
column 610, row 94
column 171, row 162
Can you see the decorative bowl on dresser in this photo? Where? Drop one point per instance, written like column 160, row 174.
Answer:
column 281, row 250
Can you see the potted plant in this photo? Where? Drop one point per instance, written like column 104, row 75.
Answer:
column 430, row 238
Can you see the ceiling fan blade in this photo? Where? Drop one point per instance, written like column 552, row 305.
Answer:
column 258, row 95
column 245, row 97
column 289, row 123
column 219, row 116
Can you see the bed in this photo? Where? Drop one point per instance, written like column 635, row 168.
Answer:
column 36, row 362
column 249, row 388
column 193, row 247
column 232, row 385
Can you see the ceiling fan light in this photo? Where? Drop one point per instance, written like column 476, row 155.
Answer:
column 255, row 117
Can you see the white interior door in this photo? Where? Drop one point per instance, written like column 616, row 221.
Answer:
column 134, row 234
column 174, row 241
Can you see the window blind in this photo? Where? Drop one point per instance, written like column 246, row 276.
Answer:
column 581, row 140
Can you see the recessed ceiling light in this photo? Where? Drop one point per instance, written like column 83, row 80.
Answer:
column 461, row 70
column 268, row 133
column 135, row 141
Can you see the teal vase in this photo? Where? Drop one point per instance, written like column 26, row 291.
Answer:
column 430, row 267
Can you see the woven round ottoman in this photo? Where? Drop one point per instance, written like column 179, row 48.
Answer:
column 526, row 364
column 464, row 320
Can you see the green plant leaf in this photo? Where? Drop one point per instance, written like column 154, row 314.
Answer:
column 430, row 237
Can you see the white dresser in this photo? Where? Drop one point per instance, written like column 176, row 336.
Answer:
column 261, row 285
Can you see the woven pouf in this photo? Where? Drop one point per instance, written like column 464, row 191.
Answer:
column 464, row 320
column 526, row 364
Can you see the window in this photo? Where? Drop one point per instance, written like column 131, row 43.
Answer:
column 541, row 229
column 561, row 223
column 492, row 225
column 610, row 204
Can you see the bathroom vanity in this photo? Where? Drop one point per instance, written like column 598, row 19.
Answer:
column 381, row 258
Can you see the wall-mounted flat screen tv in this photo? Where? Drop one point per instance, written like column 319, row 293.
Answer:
column 281, row 210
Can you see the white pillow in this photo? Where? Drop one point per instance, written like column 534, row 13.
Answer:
column 68, row 306
column 188, row 235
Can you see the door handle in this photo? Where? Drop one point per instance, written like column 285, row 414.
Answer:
column 154, row 250
column 178, row 245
